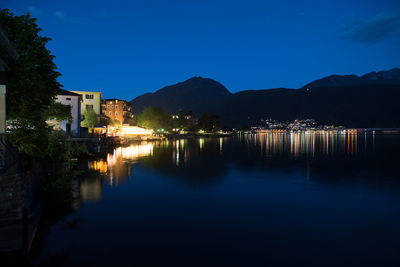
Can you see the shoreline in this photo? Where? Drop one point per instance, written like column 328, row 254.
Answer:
column 331, row 131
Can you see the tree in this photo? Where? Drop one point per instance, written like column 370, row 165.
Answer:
column 208, row 122
column 180, row 122
column 59, row 112
column 132, row 121
column 154, row 118
column 115, row 123
column 90, row 119
column 31, row 83
column 103, row 120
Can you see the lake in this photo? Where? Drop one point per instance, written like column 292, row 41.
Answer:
column 247, row 200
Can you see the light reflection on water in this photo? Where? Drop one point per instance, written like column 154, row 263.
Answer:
column 305, row 144
column 296, row 192
column 115, row 168
column 296, row 145
column 191, row 157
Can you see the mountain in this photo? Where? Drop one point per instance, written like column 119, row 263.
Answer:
column 382, row 77
column 352, row 106
column 370, row 100
column 196, row 94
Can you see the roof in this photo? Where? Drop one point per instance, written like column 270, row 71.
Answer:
column 65, row 92
column 113, row 99
column 87, row 92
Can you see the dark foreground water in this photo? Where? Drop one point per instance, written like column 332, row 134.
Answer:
column 267, row 199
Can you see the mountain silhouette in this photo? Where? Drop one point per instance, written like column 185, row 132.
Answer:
column 370, row 100
column 382, row 77
column 197, row 94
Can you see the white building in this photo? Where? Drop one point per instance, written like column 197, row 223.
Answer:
column 74, row 100
column 90, row 100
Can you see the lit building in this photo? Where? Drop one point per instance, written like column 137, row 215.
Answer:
column 74, row 101
column 90, row 100
column 116, row 109
column 190, row 120
column 127, row 130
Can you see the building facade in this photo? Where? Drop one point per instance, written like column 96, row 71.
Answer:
column 117, row 109
column 74, row 101
column 90, row 100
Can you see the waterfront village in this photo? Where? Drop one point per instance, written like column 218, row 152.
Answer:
column 111, row 117
column 114, row 118
column 296, row 125
column 93, row 116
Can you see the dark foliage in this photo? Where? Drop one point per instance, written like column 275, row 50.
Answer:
column 31, row 83
column 208, row 122
column 154, row 118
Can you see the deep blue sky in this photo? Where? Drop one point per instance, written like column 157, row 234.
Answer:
column 127, row 48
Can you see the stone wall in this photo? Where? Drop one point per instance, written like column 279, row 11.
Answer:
column 20, row 209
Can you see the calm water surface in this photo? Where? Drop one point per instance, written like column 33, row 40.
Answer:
column 248, row 200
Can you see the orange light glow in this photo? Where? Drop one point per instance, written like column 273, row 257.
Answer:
column 99, row 165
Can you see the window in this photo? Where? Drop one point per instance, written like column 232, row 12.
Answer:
column 110, row 113
column 89, row 96
column 68, row 98
column 116, row 113
column 89, row 106
column 116, row 106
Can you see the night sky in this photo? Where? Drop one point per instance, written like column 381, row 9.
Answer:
column 127, row 48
